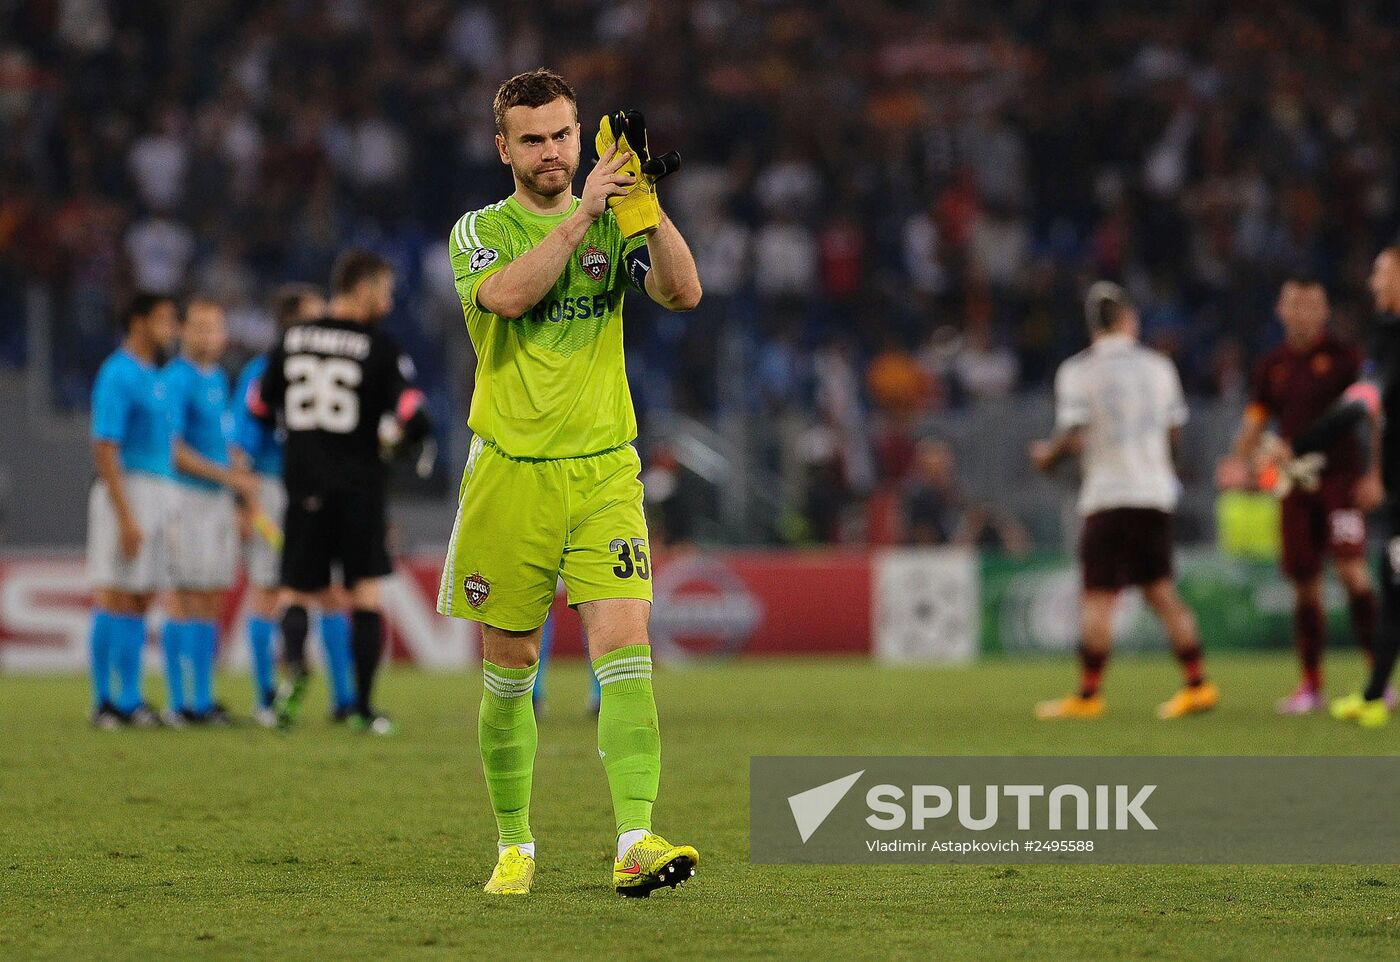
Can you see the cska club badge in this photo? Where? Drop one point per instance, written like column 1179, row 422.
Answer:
column 477, row 588
column 594, row 263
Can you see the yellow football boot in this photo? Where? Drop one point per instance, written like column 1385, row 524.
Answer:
column 514, row 874
column 1190, row 701
column 651, row 863
column 1354, row 708
column 1071, row 706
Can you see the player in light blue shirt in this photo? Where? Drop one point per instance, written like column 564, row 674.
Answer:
column 129, row 410
column 133, row 454
column 259, row 448
column 204, row 542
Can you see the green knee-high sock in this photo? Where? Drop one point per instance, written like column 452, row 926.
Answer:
column 629, row 739
column 506, row 728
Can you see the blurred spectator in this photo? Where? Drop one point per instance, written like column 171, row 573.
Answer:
column 825, row 479
column 998, row 245
column 225, row 275
column 159, row 161
column 722, row 252
column 983, row 368
column 949, row 176
column 672, row 498
column 895, row 450
column 372, row 150
column 935, row 358
column 474, row 39
column 841, row 251
column 920, row 252
column 936, row 512
column 956, row 149
column 1229, row 380
column 839, row 405
column 790, row 185
column 779, row 370
column 785, row 259
column 991, row 527
column 995, row 147
column 896, row 382
column 932, row 503
column 84, row 25
column 160, row 250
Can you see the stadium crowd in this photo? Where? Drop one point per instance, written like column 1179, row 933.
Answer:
column 894, row 213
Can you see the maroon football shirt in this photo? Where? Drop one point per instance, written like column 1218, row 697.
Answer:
column 1296, row 388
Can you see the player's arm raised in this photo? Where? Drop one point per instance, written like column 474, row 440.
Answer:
column 673, row 281
column 524, row 282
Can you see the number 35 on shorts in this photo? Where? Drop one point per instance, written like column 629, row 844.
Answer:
column 632, row 560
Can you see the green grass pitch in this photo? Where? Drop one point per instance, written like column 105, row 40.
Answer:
column 243, row 844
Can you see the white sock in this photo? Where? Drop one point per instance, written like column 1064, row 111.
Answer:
column 627, row 839
column 526, row 848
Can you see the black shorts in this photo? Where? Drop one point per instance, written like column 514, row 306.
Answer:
column 347, row 526
column 1122, row 547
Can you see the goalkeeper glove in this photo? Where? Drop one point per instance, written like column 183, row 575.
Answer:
column 406, row 433
column 638, row 210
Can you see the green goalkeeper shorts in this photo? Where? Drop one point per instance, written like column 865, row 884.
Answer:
column 521, row 524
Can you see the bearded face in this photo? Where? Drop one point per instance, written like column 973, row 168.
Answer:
column 541, row 145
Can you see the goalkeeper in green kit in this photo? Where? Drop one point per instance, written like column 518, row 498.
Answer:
column 551, row 484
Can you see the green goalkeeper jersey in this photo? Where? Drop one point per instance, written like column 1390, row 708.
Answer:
column 552, row 383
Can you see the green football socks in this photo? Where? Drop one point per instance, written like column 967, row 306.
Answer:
column 629, row 740
column 506, row 728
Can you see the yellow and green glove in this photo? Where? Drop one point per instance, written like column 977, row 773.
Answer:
column 638, row 210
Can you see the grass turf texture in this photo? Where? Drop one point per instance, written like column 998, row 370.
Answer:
column 246, row 844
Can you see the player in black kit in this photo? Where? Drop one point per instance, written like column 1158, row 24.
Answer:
column 1371, row 707
column 344, row 393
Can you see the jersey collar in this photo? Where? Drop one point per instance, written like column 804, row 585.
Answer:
column 521, row 210
column 138, row 361
column 1113, row 342
column 203, row 369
